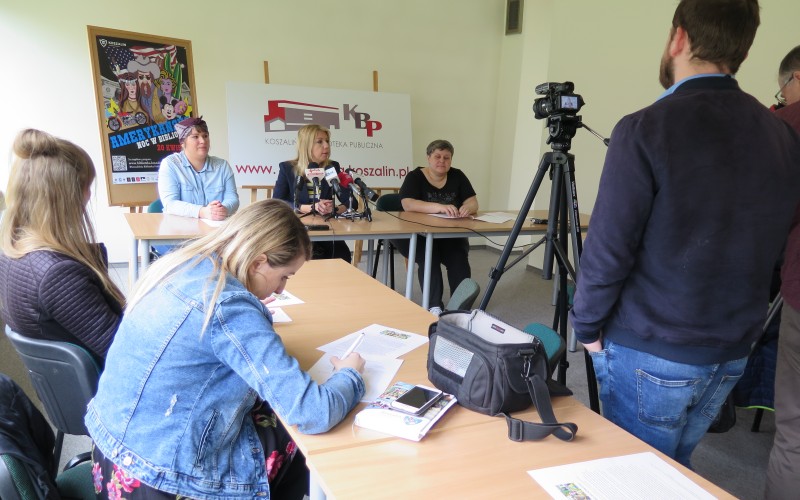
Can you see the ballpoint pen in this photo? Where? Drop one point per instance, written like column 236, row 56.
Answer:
column 352, row 347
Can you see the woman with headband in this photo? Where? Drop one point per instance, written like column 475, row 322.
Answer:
column 193, row 183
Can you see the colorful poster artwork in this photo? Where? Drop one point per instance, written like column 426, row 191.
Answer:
column 145, row 89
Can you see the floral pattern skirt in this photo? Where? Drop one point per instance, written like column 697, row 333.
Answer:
column 285, row 466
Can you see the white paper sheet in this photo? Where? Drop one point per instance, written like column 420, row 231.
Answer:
column 378, row 340
column 284, row 299
column 495, row 217
column 445, row 216
column 214, row 223
column 639, row 476
column 279, row 315
column 379, row 371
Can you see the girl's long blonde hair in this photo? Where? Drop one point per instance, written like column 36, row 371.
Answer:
column 266, row 227
column 305, row 141
column 46, row 203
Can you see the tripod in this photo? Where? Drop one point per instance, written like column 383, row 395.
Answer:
column 562, row 223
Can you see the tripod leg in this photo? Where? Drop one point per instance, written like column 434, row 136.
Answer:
column 497, row 271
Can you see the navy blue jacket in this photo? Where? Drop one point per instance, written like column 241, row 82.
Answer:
column 695, row 203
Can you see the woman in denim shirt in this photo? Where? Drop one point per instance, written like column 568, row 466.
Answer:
column 193, row 183
column 185, row 405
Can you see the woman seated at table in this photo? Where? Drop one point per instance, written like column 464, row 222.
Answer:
column 193, row 183
column 293, row 186
column 440, row 189
column 196, row 375
column 54, row 281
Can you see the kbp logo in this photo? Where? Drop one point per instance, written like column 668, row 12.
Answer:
column 362, row 120
column 292, row 115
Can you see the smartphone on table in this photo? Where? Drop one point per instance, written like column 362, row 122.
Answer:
column 417, row 400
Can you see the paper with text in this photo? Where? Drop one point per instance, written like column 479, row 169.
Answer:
column 284, row 299
column 378, row 340
column 642, row 476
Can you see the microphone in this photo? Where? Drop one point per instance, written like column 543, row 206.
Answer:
column 367, row 192
column 314, row 173
column 345, row 180
column 297, row 184
column 333, row 180
column 370, row 194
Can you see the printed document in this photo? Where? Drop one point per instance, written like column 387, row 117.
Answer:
column 642, row 476
column 379, row 340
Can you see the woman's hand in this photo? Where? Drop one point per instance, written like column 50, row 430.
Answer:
column 450, row 210
column 323, row 207
column 354, row 361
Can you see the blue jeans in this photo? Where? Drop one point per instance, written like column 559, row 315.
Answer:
column 666, row 404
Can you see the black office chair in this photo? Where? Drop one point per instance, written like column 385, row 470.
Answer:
column 65, row 378
column 389, row 202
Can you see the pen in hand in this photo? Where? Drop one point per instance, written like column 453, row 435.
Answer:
column 352, row 347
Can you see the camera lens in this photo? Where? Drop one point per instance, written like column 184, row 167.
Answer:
column 541, row 108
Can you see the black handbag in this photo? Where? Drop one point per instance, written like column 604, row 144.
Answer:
column 494, row 368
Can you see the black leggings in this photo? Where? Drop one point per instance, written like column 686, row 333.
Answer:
column 452, row 252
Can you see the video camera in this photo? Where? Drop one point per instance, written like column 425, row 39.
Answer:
column 559, row 99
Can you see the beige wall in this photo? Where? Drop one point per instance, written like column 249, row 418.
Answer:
column 468, row 82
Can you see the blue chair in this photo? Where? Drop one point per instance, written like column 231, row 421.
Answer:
column 157, row 251
column 156, row 207
column 463, row 296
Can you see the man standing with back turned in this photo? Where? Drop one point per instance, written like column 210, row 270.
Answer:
column 783, row 472
column 695, row 202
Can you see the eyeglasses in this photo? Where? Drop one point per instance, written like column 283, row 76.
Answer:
column 779, row 94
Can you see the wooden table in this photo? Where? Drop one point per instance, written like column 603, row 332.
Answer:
column 466, row 455
column 173, row 229
column 437, row 227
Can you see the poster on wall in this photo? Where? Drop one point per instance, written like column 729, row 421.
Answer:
column 144, row 85
column 370, row 131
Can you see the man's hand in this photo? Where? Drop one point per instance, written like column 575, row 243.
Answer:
column 595, row 346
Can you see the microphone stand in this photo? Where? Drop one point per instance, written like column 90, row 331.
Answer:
column 313, row 210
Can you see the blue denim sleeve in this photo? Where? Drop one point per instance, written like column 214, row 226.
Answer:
column 231, row 197
column 245, row 340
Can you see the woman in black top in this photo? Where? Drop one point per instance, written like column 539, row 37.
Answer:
column 440, row 189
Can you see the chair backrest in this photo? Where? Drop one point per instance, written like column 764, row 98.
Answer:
column 389, row 202
column 464, row 295
column 65, row 378
column 553, row 343
column 156, row 207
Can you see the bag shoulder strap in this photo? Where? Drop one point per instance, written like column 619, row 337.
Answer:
column 521, row 430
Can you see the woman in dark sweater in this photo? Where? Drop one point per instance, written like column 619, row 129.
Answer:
column 54, row 282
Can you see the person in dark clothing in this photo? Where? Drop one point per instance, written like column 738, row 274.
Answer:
column 54, row 281
column 292, row 186
column 695, row 200
column 783, row 471
column 26, row 435
column 440, row 189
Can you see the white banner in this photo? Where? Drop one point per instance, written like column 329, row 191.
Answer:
column 370, row 131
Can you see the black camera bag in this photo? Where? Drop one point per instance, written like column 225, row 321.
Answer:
column 494, row 368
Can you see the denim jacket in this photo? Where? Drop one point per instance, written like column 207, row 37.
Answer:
column 172, row 406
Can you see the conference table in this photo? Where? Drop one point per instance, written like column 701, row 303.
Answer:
column 172, row 229
column 467, row 454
